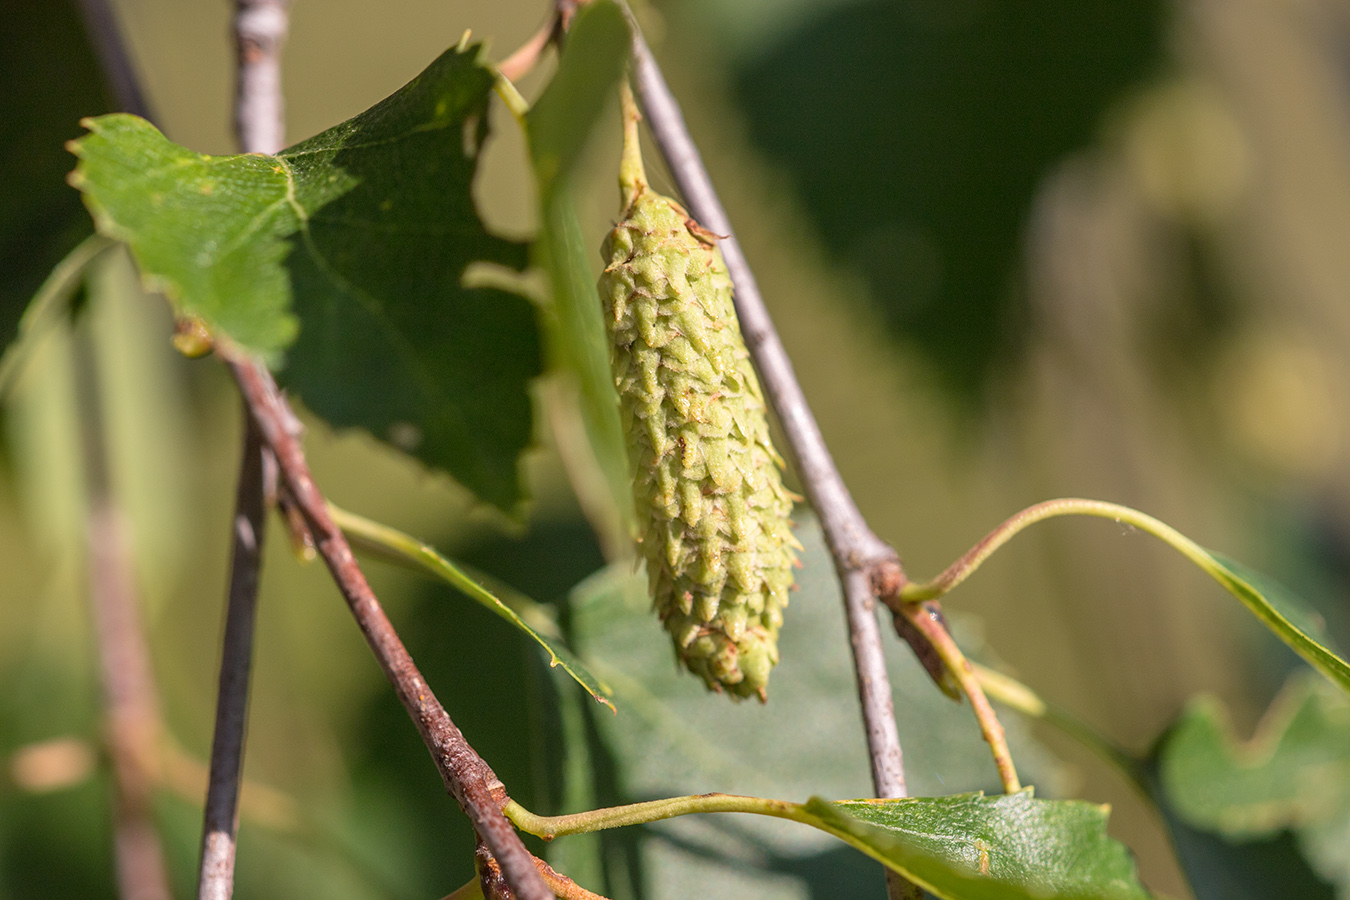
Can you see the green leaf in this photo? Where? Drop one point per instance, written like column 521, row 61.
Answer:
column 1293, row 774
column 673, row 739
column 678, row 743
column 579, row 348
column 1218, row 867
column 1294, row 770
column 407, row 550
column 1291, row 618
column 973, row 847
column 359, row 238
column 559, row 125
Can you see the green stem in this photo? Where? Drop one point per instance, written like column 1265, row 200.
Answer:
column 517, row 104
column 961, row 669
column 632, row 174
column 396, row 546
column 529, row 616
column 549, row 827
column 958, row 571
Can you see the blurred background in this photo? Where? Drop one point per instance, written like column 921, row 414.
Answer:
column 1017, row 250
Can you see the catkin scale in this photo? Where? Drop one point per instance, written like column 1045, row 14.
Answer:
column 708, row 486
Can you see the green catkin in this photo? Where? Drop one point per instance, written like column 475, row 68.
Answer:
column 707, row 482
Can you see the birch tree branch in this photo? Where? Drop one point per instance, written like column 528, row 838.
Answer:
column 260, row 28
column 866, row 564
column 868, row 568
column 467, row 777
column 215, row 875
column 130, row 701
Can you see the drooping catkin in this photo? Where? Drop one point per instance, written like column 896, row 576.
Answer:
column 707, row 482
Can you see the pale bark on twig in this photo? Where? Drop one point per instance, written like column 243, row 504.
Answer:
column 859, row 554
column 866, row 565
column 260, row 28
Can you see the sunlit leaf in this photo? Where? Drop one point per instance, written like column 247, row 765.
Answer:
column 673, row 739
column 973, row 847
column 1292, row 619
column 359, row 240
column 1196, row 775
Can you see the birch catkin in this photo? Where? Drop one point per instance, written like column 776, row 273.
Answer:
column 707, row 482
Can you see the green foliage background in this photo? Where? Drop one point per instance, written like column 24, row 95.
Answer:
column 1010, row 261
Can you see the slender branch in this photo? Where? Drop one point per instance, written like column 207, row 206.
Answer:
column 260, row 28
column 466, row 775
column 527, row 56
column 867, row 566
column 922, row 617
column 131, row 711
column 865, row 562
column 215, row 875
column 100, row 23
column 563, row 886
column 131, row 705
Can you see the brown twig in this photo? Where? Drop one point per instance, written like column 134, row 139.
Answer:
column 922, row 617
column 867, row 566
column 259, row 29
column 215, row 875
column 130, row 702
column 563, row 886
column 131, row 711
column 464, row 772
column 528, row 54
column 865, row 563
